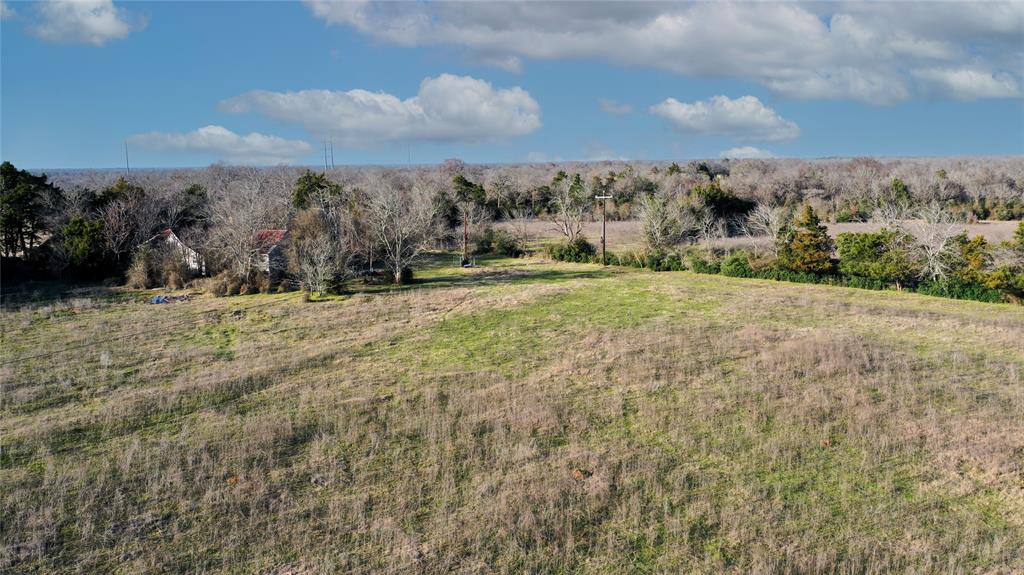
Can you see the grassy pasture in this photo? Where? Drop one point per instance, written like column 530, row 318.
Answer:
column 521, row 416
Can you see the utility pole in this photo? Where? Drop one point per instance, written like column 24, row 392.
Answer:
column 604, row 259
column 465, row 238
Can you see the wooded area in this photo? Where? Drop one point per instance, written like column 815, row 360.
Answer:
column 341, row 223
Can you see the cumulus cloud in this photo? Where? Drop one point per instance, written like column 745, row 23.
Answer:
column 746, row 153
column 6, row 11
column 447, row 108
column 744, row 118
column 967, row 84
column 226, row 145
column 865, row 51
column 93, row 22
column 614, row 108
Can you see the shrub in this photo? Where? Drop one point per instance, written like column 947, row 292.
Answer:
column 653, row 260
column 506, row 244
column 785, row 275
column 660, row 261
column 697, row 263
column 737, row 265
column 959, row 290
column 673, row 263
column 138, row 272
column 227, row 283
column 1007, row 280
column 972, row 259
column 219, row 285
column 160, row 266
column 485, row 242
column 578, row 250
column 879, row 256
column 631, row 259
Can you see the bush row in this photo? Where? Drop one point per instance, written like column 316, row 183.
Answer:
column 742, row 264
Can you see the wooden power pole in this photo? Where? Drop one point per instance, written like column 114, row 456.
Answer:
column 604, row 204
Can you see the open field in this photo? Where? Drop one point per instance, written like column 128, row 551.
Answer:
column 519, row 417
column 625, row 235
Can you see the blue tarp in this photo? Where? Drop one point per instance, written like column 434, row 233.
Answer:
column 168, row 298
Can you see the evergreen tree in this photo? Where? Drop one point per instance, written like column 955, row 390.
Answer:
column 807, row 247
column 23, row 201
column 312, row 188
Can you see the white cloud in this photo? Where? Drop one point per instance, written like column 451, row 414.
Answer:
column 863, row 51
column 447, row 108
column 253, row 148
column 967, row 84
column 614, row 108
column 93, row 22
column 6, row 11
column 746, row 153
column 507, row 63
column 744, row 118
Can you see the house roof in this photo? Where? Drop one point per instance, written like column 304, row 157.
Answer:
column 166, row 234
column 267, row 239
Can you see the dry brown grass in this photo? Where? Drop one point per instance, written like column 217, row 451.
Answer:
column 527, row 418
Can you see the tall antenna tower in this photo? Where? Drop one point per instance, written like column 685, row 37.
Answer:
column 127, row 167
column 332, row 152
column 325, row 155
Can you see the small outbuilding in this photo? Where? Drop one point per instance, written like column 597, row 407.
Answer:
column 192, row 259
column 270, row 251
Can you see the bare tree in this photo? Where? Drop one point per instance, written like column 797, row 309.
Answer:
column 127, row 222
column 933, row 230
column 661, row 229
column 318, row 249
column 404, row 221
column 501, row 188
column 519, row 218
column 568, row 207
column 117, row 226
column 239, row 212
column 709, row 227
column 891, row 215
column 766, row 220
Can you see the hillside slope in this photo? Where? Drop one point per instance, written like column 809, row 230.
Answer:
column 518, row 417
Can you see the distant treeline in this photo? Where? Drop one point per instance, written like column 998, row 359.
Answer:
column 336, row 223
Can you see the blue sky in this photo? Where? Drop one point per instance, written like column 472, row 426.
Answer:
column 191, row 83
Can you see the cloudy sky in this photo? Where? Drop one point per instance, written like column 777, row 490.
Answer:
column 191, row 83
